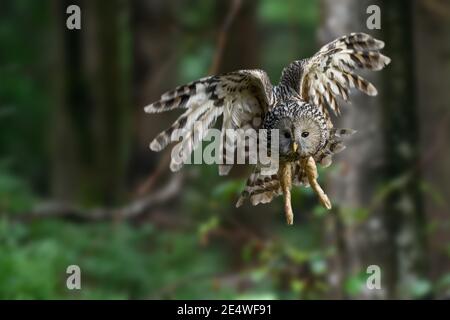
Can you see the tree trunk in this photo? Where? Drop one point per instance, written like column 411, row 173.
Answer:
column 242, row 48
column 353, row 184
column 378, row 222
column 107, row 44
column 403, row 207
column 432, row 34
column 68, row 100
column 91, row 103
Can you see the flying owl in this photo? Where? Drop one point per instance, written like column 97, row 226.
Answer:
column 298, row 107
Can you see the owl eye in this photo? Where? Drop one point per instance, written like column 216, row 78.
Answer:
column 287, row 134
column 305, row 134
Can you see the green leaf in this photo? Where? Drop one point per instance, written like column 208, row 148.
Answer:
column 420, row 287
column 355, row 284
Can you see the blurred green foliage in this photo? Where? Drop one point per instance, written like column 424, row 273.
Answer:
column 24, row 97
column 119, row 259
column 125, row 260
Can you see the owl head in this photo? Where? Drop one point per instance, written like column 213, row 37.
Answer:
column 302, row 129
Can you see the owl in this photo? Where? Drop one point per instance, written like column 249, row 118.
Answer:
column 297, row 108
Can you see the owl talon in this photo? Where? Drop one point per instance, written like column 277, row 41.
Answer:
column 325, row 201
column 311, row 172
column 285, row 176
column 288, row 208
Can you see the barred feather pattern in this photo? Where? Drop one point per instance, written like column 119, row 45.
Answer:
column 193, row 137
column 260, row 188
column 264, row 188
column 295, row 108
column 242, row 97
column 246, row 99
column 333, row 145
column 330, row 73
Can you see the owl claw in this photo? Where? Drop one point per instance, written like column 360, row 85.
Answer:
column 311, row 172
column 285, row 176
column 288, row 208
column 325, row 201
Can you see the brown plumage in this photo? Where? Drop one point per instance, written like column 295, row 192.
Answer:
column 299, row 105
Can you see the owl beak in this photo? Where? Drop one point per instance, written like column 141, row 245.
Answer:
column 294, row 147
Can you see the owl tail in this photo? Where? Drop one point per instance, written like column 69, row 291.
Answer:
column 264, row 188
column 260, row 188
column 333, row 145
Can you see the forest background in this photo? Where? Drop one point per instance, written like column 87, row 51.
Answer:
column 79, row 185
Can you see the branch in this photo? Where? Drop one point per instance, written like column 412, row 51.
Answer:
column 150, row 181
column 134, row 210
column 223, row 35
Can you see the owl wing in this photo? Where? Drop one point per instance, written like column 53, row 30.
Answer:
column 330, row 72
column 242, row 97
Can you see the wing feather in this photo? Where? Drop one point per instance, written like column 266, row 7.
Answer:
column 264, row 188
column 240, row 96
column 330, row 73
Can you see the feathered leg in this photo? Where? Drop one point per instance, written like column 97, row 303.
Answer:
column 311, row 173
column 285, row 176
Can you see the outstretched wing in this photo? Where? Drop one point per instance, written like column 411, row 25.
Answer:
column 331, row 71
column 242, row 97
